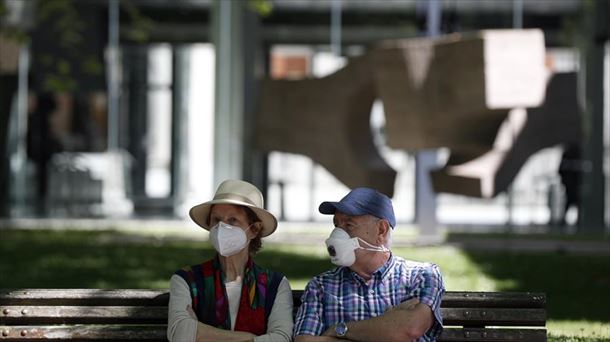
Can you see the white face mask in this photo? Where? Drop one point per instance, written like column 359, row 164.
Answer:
column 341, row 247
column 227, row 239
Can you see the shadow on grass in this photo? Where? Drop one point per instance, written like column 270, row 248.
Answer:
column 109, row 259
column 576, row 286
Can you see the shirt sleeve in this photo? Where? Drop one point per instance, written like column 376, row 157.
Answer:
column 430, row 290
column 180, row 325
column 309, row 317
column 280, row 323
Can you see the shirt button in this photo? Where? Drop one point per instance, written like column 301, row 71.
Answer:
column 374, row 314
column 372, row 292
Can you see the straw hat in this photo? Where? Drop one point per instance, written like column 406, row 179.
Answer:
column 235, row 192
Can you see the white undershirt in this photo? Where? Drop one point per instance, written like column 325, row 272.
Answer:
column 234, row 296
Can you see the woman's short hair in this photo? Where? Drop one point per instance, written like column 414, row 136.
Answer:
column 257, row 243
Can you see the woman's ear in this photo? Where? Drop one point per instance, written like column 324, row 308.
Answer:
column 255, row 229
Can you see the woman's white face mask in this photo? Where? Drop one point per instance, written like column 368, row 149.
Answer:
column 341, row 247
column 227, row 239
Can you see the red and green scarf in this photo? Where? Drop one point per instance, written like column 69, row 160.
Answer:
column 210, row 302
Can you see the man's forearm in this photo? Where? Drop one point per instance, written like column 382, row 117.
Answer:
column 399, row 324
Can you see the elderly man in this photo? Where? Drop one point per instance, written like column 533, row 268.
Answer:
column 372, row 295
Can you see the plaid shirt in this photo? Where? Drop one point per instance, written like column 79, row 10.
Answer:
column 341, row 295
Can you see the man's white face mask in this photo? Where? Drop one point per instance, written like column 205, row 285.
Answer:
column 341, row 247
column 227, row 239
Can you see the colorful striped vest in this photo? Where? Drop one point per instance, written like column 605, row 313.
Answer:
column 209, row 298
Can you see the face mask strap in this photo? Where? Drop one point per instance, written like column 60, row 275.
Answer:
column 373, row 248
column 355, row 244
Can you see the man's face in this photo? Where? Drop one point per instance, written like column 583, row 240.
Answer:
column 364, row 227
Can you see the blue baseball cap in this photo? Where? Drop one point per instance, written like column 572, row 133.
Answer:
column 362, row 201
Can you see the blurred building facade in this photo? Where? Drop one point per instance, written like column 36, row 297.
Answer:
column 186, row 78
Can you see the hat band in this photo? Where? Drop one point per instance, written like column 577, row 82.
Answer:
column 234, row 197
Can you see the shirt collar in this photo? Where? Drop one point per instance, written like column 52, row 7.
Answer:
column 384, row 270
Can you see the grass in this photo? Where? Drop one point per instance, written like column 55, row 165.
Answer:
column 577, row 287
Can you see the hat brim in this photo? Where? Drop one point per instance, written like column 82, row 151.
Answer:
column 200, row 213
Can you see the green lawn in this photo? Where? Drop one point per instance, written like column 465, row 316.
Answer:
column 577, row 287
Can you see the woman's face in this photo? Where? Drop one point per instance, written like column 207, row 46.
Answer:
column 231, row 214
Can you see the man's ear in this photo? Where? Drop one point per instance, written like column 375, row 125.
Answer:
column 383, row 227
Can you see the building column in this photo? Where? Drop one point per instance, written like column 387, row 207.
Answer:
column 592, row 208
column 427, row 160
column 228, row 38
column 180, row 101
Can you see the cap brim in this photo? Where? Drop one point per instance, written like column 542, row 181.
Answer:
column 200, row 213
column 329, row 208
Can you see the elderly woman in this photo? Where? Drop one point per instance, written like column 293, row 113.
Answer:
column 230, row 298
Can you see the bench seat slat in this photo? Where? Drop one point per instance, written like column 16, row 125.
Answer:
column 493, row 317
column 496, row 335
column 82, row 314
column 85, row 333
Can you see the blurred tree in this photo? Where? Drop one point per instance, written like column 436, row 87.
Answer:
column 262, row 7
column 12, row 35
column 67, row 39
column 67, row 45
column 140, row 25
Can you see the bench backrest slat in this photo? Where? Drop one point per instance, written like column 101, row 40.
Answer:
column 161, row 297
column 83, row 314
column 87, row 333
column 158, row 314
column 158, row 333
column 490, row 334
column 532, row 300
column 84, row 297
column 125, row 315
column 493, row 317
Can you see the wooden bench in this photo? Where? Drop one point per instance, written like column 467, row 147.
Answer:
column 128, row 315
